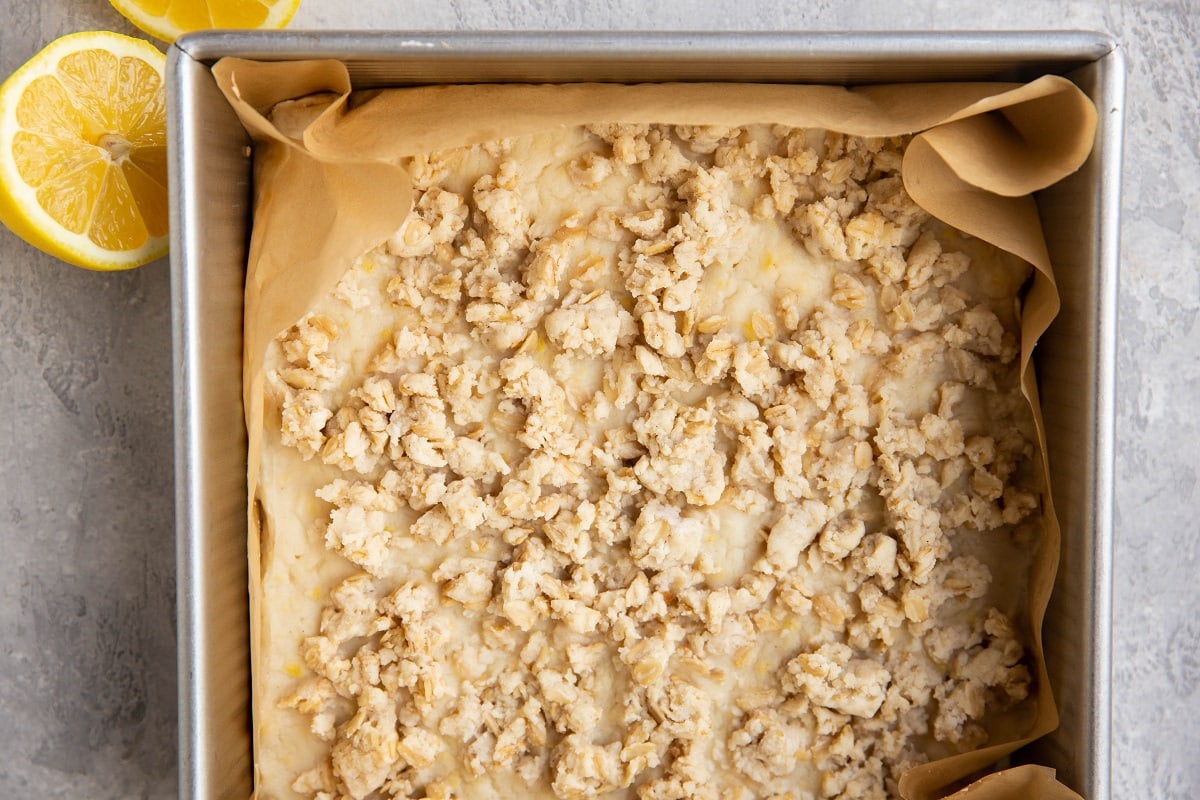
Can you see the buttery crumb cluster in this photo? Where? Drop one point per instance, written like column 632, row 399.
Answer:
column 668, row 459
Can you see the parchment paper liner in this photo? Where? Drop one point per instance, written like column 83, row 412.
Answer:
column 329, row 193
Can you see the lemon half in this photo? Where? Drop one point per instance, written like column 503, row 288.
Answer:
column 83, row 167
column 170, row 19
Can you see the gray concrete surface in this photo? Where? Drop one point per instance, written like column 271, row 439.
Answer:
column 87, row 667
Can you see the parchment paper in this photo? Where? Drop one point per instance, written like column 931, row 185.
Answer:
column 326, row 194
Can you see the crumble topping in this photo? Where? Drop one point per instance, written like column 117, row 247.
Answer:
column 660, row 462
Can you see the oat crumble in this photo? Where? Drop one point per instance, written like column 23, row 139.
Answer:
column 647, row 461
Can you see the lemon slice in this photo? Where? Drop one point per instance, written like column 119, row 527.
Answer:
column 83, row 167
column 170, row 19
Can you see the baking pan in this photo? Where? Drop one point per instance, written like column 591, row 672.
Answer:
column 210, row 218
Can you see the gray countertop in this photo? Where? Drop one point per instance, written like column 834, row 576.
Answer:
column 87, row 634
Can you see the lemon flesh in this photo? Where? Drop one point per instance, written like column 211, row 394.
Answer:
column 170, row 19
column 83, row 168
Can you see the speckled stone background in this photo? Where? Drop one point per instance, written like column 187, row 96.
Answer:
column 87, row 635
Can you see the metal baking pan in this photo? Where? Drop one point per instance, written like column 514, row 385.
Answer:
column 210, row 217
